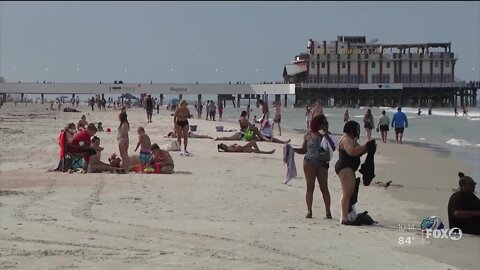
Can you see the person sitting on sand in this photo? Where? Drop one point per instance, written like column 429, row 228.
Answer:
column 95, row 164
column 162, row 158
column 100, row 127
column 245, row 125
column 82, row 123
column 464, row 207
column 250, row 147
column 267, row 131
column 70, row 132
column 144, row 143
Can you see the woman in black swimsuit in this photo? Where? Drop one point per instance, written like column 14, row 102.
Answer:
column 349, row 153
column 180, row 121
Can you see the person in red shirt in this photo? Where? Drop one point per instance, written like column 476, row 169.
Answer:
column 81, row 142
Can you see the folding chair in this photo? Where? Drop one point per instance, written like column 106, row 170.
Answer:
column 75, row 158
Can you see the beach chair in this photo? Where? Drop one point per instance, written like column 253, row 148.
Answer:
column 65, row 155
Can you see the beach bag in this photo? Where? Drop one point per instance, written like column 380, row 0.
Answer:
column 174, row 146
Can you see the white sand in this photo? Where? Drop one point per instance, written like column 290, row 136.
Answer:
column 218, row 211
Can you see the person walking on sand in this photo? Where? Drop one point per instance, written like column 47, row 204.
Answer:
column 368, row 123
column 346, row 116
column 399, row 122
column 349, row 153
column 144, row 143
column 455, row 111
column 316, row 163
column 383, row 126
column 278, row 117
column 123, row 139
column 180, row 122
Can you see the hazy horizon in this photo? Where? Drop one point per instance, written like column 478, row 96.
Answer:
column 211, row 42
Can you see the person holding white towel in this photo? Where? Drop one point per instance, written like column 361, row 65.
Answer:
column 316, row 162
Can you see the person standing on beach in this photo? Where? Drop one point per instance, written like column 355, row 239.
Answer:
column 464, row 108
column 265, row 112
column 368, row 123
column 317, row 110
column 349, row 153
column 455, row 110
column 207, row 110
column 199, row 110
column 399, row 122
column 383, row 126
column 346, row 116
column 220, row 110
column 314, row 166
column 212, row 110
column 123, row 140
column 278, row 116
column 308, row 116
column 149, row 108
column 180, row 122
column 430, row 110
column 144, row 143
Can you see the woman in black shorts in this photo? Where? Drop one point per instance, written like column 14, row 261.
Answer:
column 180, row 121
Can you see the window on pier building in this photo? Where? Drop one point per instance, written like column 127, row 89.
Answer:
column 436, row 63
column 373, row 64
column 415, row 64
column 344, row 64
column 313, row 65
column 447, row 64
column 323, row 64
column 388, row 64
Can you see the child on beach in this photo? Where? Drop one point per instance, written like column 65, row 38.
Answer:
column 162, row 158
column 144, row 144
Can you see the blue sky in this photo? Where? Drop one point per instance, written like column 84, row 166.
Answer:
column 211, row 41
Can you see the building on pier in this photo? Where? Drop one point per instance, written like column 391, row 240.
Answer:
column 350, row 71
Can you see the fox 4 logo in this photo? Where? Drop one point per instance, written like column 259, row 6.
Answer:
column 452, row 234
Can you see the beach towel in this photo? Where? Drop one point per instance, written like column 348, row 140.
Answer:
column 368, row 167
column 289, row 159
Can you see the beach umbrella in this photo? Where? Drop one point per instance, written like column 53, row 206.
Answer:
column 174, row 101
column 128, row 96
column 63, row 97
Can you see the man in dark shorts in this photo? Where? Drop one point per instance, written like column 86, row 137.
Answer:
column 464, row 208
column 399, row 122
column 149, row 108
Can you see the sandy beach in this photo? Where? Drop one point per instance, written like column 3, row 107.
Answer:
column 217, row 211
